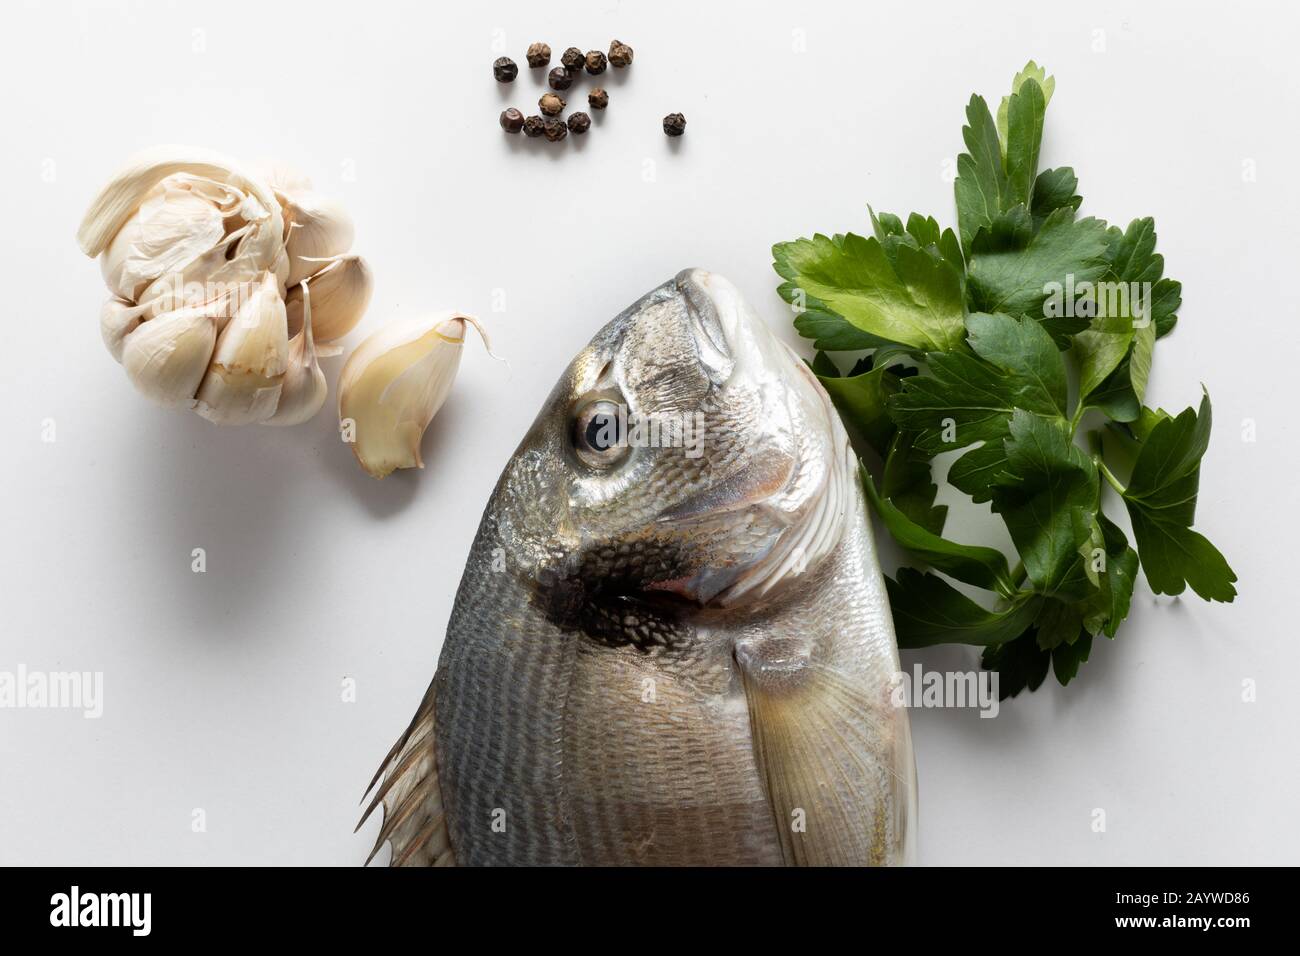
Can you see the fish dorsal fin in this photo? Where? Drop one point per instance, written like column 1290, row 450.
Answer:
column 413, row 814
column 836, row 763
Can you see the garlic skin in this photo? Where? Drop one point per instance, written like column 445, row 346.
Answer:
column 243, row 382
column 185, row 234
column 340, row 296
column 302, row 393
column 394, row 383
column 167, row 357
column 319, row 228
column 180, row 219
column 207, row 177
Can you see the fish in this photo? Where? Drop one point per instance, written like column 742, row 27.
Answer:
column 672, row 644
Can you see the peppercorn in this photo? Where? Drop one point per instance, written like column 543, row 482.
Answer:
column 598, row 99
column 572, row 58
column 504, row 70
column 595, row 62
column 533, row 127
column 560, row 78
column 579, row 123
column 539, row 54
column 555, row 130
column 552, row 104
column 620, row 54
column 512, row 121
column 674, row 124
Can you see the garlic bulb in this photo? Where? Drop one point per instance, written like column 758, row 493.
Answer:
column 394, row 383
column 197, row 249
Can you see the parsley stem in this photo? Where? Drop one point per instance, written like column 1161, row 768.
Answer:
column 1110, row 478
column 1076, row 417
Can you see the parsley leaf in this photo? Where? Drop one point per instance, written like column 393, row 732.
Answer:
column 913, row 298
column 981, row 186
column 983, row 567
column 1054, row 189
column 860, row 399
column 1132, row 303
column 1021, row 664
column 1048, row 488
column 1067, row 657
column 970, row 398
column 1047, row 85
column 928, row 610
column 908, row 483
column 1107, row 608
column 1013, row 274
column 1161, row 501
column 1020, row 123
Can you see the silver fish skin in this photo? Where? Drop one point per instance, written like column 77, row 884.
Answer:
column 669, row 648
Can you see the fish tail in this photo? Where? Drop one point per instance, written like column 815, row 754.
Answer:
column 414, row 822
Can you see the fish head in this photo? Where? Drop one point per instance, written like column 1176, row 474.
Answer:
column 686, row 455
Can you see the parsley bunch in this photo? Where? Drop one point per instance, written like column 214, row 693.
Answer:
column 969, row 336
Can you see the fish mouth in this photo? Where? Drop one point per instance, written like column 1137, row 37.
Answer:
column 732, row 340
column 798, row 479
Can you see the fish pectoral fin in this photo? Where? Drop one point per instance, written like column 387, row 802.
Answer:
column 836, row 763
column 413, row 815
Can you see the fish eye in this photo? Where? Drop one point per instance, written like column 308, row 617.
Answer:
column 599, row 434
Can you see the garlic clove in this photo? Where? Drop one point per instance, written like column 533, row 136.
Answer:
column 318, row 228
column 243, row 382
column 118, row 319
column 394, row 383
column 302, row 393
column 167, row 357
column 340, row 294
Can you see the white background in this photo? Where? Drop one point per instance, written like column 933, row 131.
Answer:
column 222, row 690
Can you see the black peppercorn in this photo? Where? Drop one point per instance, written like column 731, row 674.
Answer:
column 552, row 104
column 595, row 62
column 512, row 121
column 539, row 54
column 579, row 123
column 572, row 58
column 555, row 130
column 533, row 126
column 560, row 78
column 598, row 99
column 674, row 124
column 620, row 54
column 504, row 70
